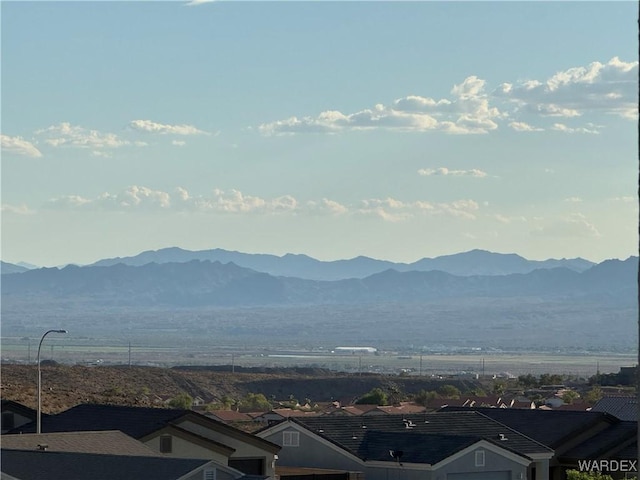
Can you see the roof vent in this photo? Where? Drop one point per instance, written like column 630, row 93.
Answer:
column 502, row 437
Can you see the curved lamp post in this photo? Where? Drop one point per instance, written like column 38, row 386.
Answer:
column 40, row 377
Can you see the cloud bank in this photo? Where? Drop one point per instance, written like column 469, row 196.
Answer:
column 149, row 126
column 19, row 146
column 599, row 88
column 234, row 202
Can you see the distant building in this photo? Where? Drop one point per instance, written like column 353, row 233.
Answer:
column 354, row 350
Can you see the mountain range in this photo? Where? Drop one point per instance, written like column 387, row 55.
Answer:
column 474, row 262
column 213, row 283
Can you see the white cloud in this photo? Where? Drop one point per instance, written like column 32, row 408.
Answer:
column 195, row 3
column 65, row 134
column 178, row 143
column 234, row 202
column 610, row 88
column 524, row 127
column 575, row 225
column 19, row 146
column 326, row 206
column 99, row 153
column 561, row 127
column 505, row 219
column 573, row 200
column 444, row 171
column 165, row 129
column 627, row 199
column 394, row 210
column 467, row 112
column 21, row 209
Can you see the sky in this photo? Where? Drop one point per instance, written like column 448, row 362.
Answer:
column 394, row 130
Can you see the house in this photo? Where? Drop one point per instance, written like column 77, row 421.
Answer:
column 15, row 414
column 569, row 434
column 176, row 433
column 39, row 464
column 112, row 449
column 429, row 446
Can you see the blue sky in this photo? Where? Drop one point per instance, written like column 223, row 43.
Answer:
column 397, row 130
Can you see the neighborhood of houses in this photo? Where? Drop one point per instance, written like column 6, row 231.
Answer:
column 474, row 438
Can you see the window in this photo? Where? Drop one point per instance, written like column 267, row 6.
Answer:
column 165, row 444
column 210, row 474
column 290, row 439
column 480, row 458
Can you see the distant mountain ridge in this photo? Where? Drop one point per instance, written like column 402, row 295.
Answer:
column 474, row 262
column 12, row 268
column 204, row 283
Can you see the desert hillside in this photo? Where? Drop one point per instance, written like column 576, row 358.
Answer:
column 64, row 386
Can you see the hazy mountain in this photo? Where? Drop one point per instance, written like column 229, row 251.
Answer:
column 6, row 267
column 475, row 262
column 205, row 283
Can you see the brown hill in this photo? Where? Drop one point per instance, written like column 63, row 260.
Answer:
column 64, row 386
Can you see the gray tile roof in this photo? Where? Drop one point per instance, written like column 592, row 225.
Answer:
column 607, row 442
column 105, row 442
column 412, row 447
column 622, row 407
column 549, row 427
column 134, row 421
column 36, row 465
column 351, row 433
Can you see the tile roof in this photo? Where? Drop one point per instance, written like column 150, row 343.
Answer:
column 622, row 407
column 402, row 409
column 105, row 442
column 134, row 421
column 412, row 447
column 549, row 427
column 229, row 416
column 137, row 422
column 607, row 442
column 36, row 465
column 351, row 432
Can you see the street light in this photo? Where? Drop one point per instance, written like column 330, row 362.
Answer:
column 39, row 422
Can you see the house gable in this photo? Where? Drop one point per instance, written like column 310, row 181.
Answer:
column 186, row 444
column 15, row 415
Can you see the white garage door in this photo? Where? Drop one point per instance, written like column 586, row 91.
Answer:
column 480, row 476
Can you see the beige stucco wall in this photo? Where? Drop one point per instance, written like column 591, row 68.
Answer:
column 184, row 449
column 243, row 449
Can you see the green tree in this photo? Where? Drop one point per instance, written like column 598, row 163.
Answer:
column 528, row 381
column 550, row 379
column 376, row 396
column 449, row 391
column 593, row 395
column 477, row 392
column 182, row 400
column 424, row 398
column 576, row 475
column 499, row 387
column 569, row 396
column 254, row 402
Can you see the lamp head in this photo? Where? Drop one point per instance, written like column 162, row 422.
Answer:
column 60, row 331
